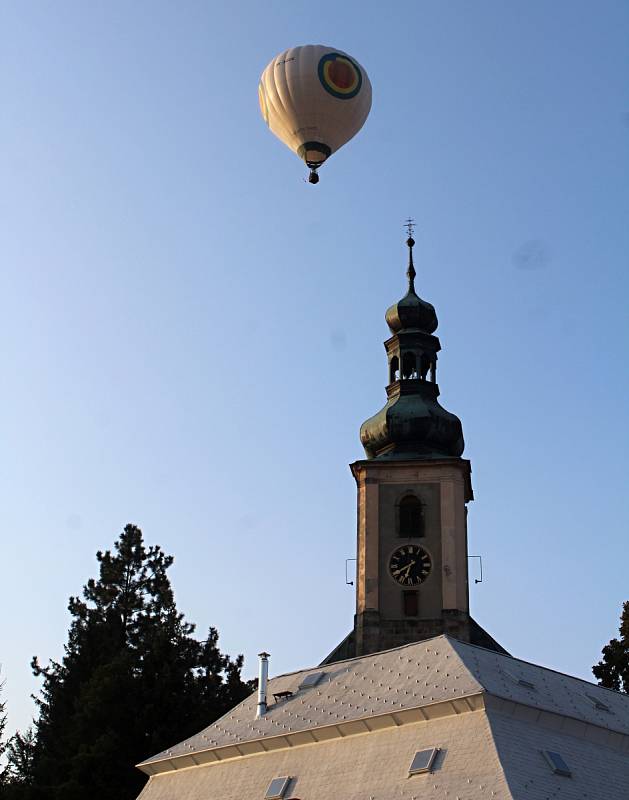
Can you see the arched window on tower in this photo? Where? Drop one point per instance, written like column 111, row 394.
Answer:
column 411, row 516
column 394, row 369
column 424, row 366
column 409, row 366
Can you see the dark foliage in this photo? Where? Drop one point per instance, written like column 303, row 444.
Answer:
column 18, row 775
column 132, row 682
column 3, row 744
column 613, row 671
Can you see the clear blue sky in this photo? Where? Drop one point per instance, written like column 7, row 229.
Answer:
column 192, row 335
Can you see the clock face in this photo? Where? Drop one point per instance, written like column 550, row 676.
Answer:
column 410, row 565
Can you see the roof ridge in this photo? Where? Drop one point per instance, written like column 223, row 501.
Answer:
column 325, row 667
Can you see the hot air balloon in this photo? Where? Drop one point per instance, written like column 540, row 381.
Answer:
column 314, row 99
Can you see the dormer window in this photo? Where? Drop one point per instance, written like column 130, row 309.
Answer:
column 411, row 516
column 277, row 788
column 423, row 761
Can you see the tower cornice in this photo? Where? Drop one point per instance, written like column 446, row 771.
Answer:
column 411, row 470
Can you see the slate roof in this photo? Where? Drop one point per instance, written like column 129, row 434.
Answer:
column 553, row 691
column 598, row 772
column 490, row 714
column 406, row 677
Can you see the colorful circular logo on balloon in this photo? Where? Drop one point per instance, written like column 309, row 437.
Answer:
column 340, row 76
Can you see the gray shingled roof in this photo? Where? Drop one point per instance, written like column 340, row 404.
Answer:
column 429, row 675
column 355, row 732
column 598, row 772
column 554, row 691
column 407, row 677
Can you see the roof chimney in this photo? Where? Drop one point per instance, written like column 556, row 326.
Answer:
column 263, row 679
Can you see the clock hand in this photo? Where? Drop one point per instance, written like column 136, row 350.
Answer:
column 407, row 569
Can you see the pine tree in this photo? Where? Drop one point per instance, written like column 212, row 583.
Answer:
column 613, row 671
column 3, row 744
column 14, row 758
column 18, row 775
column 132, row 680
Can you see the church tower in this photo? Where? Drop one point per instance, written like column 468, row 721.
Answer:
column 413, row 490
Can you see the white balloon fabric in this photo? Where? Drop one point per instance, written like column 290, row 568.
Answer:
column 314, row 99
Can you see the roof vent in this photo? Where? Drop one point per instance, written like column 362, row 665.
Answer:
column 277, row 696
column 311, row 680
column 423, row 761
column 557, row 764
column 277, row 788
column 599, row 705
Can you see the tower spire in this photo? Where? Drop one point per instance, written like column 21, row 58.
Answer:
column 410, row 272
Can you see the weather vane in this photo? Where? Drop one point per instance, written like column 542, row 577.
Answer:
column 410, row 227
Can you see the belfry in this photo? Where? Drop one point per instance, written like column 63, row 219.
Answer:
column 413, row 490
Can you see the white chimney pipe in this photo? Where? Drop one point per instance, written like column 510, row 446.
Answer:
column 263, row 679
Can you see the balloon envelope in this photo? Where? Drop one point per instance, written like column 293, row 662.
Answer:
column 315, row 99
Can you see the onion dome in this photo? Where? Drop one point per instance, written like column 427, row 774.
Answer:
column 412, row 425
column 411, row 312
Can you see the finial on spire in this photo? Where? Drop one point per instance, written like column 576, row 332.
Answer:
column 410, row 227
